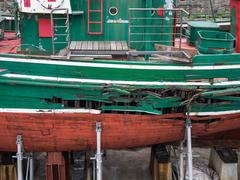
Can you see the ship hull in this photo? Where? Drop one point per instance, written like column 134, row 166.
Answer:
column 74, row 132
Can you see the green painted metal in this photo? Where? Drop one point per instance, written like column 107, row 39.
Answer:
column 233, row 21
column 115, row 27
column 195, row 26
column 35, row 93
column 215, row 42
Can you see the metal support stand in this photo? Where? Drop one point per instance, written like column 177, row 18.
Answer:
column 181, row 162
column 31, row 176
column 20, row 156
column 97, row 164
column 189, row 149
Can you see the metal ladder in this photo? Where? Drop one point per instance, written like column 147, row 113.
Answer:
column 99, row 13
column 57, row 28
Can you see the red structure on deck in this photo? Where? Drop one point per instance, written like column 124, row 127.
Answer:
column 235, row 15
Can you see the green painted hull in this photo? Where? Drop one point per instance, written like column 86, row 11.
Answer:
column 122, row 86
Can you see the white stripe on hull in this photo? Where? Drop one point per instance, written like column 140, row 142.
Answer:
column 94, row 111
column 97, row 81
column 119, row 66
column 50, row 111
column 215, row 113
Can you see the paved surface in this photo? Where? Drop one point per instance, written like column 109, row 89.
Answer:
column 127, row 165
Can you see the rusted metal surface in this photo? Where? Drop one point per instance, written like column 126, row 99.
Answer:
column 65, row 132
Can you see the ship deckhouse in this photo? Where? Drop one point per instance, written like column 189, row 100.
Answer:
column 43, row 6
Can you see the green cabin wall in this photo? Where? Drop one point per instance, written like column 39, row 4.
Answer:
column 78, row 25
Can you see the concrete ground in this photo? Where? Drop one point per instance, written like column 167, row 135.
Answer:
column 127, row 164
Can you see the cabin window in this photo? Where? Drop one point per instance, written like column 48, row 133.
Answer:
column 113, row 11
column 44, row 28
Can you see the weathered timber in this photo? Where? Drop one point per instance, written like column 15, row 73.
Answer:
column 8, row 172
column 44, row 131
column 160, row 165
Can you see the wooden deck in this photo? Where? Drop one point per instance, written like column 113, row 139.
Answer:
column 99, row 47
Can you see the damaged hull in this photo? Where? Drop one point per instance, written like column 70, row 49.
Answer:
column 55, row 104
column 75, row 132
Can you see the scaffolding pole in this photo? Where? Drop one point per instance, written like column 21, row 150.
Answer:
column 99, row 153
column 181, row 164
column 189, row 148
column 97, row 163
column 19, row 156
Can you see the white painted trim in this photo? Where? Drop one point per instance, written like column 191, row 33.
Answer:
column 215, row 113
column 50, row 111
column 119, row 66
column 93, row 111
column 99, row 81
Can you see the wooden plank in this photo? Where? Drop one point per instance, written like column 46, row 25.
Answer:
column 107, row 45
column 73, row 45
column 84, row 45
column 78, row 45
column 101, row 45
column 113, row 46
column 90, row 45
column 8, row 172
column 119, row 45
column 95, row 45
column 124, row 46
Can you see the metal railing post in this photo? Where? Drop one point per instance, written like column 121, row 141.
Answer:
column 67, row 31
column 137, row 25
column 180, row 38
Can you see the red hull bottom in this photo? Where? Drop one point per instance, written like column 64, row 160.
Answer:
column 75, row 132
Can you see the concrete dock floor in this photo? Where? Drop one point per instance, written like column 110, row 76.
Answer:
column 126, row 164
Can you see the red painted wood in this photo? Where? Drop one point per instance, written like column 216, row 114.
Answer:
column 236, row 4
column 10, row 43
column 27, row 3
column 44, row 27
column 65, row 132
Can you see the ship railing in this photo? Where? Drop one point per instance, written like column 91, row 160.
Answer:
column 150, row 26
column 64, row 36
